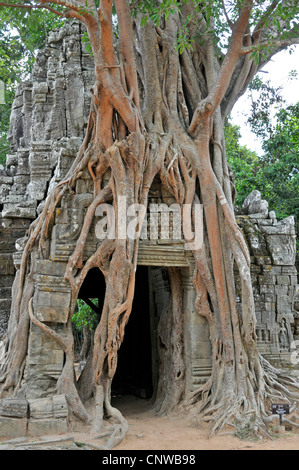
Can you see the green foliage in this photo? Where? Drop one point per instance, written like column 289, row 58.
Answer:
column 276, row 173
column 213, row 20
column 84, row 316
column 155, row 11
column 184, row 40
column 4, row 123
column 11, row 72
column 243, row 161
column 85, row 39
column 280, row 164
column 246, row 432
column 209, row 21
column 266, row 100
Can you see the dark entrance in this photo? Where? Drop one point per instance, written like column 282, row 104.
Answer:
column 92, row 292
column 134, row 368
column 94, row 288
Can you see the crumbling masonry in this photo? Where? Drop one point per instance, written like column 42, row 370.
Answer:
column 48, row 120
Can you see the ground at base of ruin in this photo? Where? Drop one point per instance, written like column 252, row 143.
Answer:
column 149, row 432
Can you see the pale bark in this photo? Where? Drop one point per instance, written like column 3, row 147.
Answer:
column 155, row 112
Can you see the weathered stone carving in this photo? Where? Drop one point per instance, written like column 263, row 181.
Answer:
column 284, row 339
column 272, row 247
column 35, row 416
column 254, row 204
column 48, row 118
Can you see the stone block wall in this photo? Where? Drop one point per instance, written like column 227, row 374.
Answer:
column 48, row 120
column 272, row 246
column 47, row 124
column 10, row 231
column 35, row 417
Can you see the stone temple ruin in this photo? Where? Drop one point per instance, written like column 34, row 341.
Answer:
column 49, row 116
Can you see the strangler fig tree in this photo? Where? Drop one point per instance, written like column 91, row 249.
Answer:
column 167, row 74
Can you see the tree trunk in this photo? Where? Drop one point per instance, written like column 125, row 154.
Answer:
column 155, row 112
column 171, row 385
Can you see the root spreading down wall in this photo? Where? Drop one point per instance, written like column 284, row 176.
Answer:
column 48, row 120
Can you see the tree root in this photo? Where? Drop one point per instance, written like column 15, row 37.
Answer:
column 119, row 429
column 134, row 162
column 253, row 410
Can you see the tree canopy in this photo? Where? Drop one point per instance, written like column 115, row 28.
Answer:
column 275, row 173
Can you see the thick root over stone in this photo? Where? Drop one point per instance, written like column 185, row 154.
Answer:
column 179, row 139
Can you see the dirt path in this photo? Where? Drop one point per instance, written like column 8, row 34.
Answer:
column 148, row 431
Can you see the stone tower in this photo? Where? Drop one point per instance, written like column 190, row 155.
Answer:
column 48, row 121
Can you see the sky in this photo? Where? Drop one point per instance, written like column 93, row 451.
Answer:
column 277, row 70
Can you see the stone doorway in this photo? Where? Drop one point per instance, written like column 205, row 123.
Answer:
column 138, row 358
column 135, row 368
